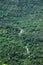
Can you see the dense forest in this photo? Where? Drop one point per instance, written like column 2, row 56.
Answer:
column 21, row 32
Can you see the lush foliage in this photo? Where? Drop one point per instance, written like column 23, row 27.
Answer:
column 21, row 32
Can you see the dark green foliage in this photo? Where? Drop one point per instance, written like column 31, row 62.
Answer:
column 21, row 30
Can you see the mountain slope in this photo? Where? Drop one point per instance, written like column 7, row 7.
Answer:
column 21, row 32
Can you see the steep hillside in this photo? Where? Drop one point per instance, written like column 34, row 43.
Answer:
column 21, row 32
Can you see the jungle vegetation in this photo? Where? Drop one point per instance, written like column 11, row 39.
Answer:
column 21, row 32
